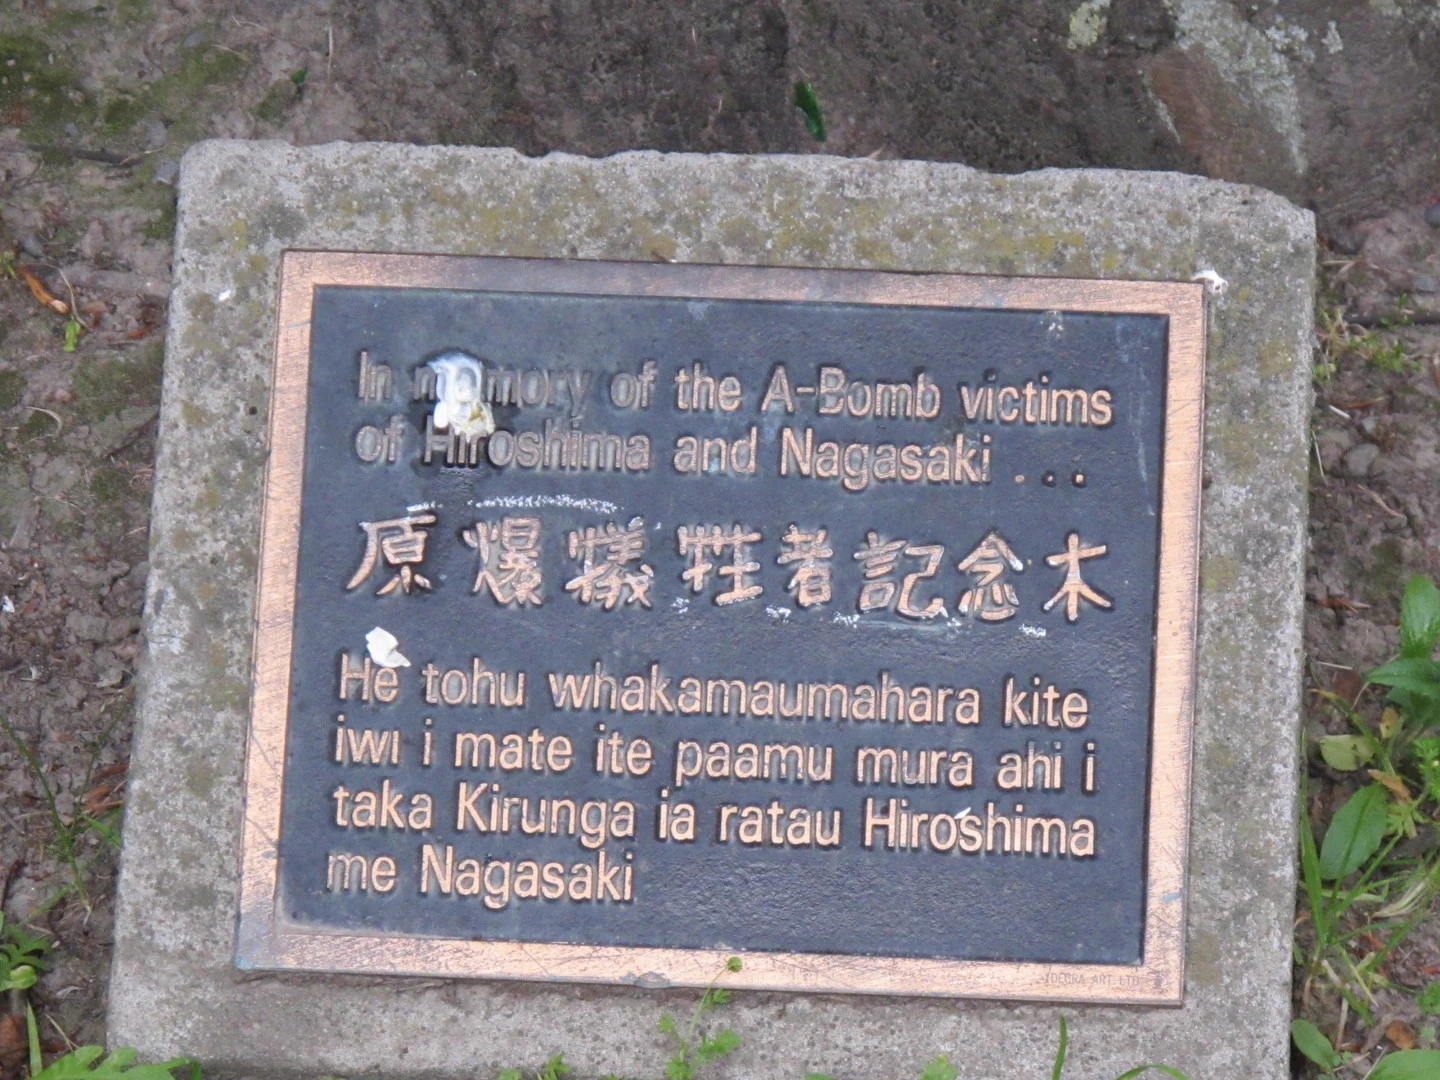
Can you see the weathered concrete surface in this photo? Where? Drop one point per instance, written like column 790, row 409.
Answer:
column 175, row 990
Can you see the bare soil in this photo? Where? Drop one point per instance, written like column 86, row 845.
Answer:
column 98, row 101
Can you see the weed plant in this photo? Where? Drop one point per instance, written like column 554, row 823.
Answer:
column 71, row 829
column 1338, row 339
column 22, row 956
column 1372, row 877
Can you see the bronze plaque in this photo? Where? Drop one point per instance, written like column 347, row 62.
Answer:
column 617, row 618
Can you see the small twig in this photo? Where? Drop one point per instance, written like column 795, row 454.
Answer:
column 69, row 1043
column 74, row 304
column 1381, row 502
column 59, row 424
column 142, row 154
column 104, row 157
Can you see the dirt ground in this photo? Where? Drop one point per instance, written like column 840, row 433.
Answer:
column 99, row 100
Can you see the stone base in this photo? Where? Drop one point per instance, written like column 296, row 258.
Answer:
column 175, row 989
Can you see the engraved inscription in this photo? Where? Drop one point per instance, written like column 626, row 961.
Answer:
column 811, row 627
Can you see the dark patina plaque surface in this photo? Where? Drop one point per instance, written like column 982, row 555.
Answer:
column 617, row 618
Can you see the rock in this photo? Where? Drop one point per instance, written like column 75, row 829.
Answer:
column 167, row 170
column 1359, row 460
column 1432, row 214
column 1332, row 444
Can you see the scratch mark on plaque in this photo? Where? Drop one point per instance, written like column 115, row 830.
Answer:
column 698, row 309
column 775, row 611
column 1055, row 322
column 419, row 508
column 1033, row 631
column 1171, row 897
column 681, row 604
column 532, row 502
column 846, row 620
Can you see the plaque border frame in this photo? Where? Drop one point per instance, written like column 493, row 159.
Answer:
column 266, row 941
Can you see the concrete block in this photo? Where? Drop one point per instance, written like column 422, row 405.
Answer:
column 175, row 989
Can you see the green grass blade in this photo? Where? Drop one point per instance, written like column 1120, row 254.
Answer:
column 809, row 104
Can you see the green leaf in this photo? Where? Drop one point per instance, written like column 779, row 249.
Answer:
column 733, row 964
column 678, row 1068
column 809, row 104
column 509, row 1074
column 554, row 1069
column 21, row 977
column 667, row 1026
column 818, row 1076
column 1345, row 752
column 1166, row 1069
column 1311, row 1042
column 1408, row 1065
column 940, row 1069
column 86, row 1063
column 1354, row 834
column 1413, row 675
column 72, row 334
column 723, row 1042
column 1419, row 618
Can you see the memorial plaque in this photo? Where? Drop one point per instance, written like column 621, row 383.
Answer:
column 618, row 618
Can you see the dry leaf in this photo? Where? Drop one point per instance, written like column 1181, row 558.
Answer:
column 1389, row 723
column 1392, row 783
column 14, row 1047
column 42, row 294
column 1401, row 1034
